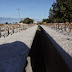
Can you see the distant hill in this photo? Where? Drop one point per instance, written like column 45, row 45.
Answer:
column 9, row 20
column 13, row 20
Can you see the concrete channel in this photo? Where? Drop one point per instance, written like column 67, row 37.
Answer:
column 35, row 47
column 44, row 55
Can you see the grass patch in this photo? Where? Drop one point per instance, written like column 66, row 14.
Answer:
column 39, row 29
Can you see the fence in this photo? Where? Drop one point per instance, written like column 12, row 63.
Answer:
column 6, row 29
column 61, row 26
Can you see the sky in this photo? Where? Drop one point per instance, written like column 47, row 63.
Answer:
column 35, row 9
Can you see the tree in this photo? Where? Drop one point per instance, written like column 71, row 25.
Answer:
column 21, row 21
column 45, row 20
column 27, row 21
column 16, row 23
column 65, row 8
column 6, row 23
column 61, row 11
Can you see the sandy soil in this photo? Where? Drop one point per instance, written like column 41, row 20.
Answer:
column 65, row 43
column 14, row 50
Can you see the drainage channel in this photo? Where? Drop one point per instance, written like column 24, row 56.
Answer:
column 44, row 56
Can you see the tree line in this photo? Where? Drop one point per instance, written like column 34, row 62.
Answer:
column 61, row 12
column 27, row 21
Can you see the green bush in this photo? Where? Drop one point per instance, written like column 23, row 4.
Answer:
column 27, row 21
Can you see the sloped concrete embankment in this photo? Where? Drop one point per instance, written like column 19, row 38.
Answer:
column 44, row 55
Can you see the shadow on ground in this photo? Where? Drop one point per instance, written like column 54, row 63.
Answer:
column 13, row 57
column 44, row 55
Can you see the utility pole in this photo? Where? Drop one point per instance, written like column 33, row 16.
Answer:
column 19, row 12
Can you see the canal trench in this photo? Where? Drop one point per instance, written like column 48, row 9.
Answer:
column 44, row 56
